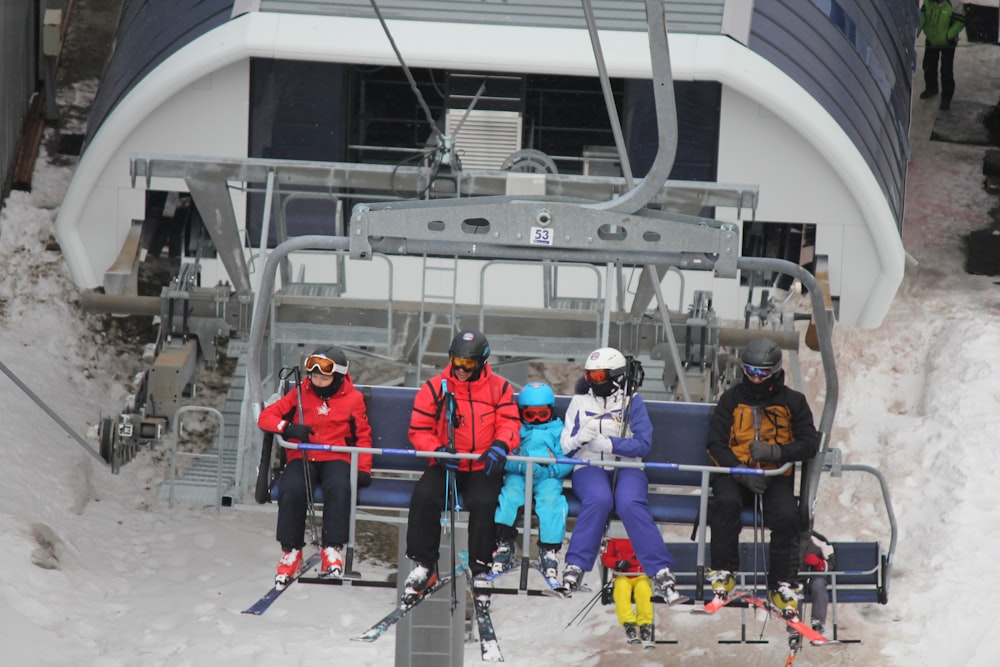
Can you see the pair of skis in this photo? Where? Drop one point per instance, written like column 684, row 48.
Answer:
column 795, row 624
column 488, row 643
column 555, row 587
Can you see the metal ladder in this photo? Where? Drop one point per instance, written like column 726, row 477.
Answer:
column 438, row 284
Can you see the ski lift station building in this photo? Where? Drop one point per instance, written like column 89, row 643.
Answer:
column 791, row 122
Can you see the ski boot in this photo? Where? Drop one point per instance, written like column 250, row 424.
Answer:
column 288, row 568
column 421, row 578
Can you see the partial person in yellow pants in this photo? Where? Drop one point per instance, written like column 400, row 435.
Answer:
column 632, row 591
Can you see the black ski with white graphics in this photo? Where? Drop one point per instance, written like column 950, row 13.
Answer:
column 404, row 608
column 262, row 605
column 489, row 645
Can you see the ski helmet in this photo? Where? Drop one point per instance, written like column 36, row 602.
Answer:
column 327, row 360
column 469, row 351
column 537, row 402
column 761, row 359
column 604, row 370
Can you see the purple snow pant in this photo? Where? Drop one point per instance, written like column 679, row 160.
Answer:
column 592, row 486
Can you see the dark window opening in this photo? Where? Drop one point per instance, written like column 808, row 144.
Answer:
column 359, row 114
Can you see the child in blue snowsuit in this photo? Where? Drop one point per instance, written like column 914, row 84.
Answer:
column 540, row 432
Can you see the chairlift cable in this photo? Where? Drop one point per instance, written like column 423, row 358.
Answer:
column 406, row 71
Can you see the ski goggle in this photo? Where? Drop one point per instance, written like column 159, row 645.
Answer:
column 597, row 375
column 536, row 414
column 758, row 372
column 464, row 363
column 318, row 363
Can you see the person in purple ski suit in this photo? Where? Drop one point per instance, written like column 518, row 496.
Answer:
column 593, row 431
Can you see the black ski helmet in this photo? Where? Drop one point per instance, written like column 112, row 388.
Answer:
column 471, row 344
column 761, row 355
column 339, row 358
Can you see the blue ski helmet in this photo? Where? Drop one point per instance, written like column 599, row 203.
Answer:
column 536, row 393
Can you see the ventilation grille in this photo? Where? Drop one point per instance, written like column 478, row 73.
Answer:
column 486, row 137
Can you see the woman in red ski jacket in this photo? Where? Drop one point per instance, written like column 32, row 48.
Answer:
column 333, row 413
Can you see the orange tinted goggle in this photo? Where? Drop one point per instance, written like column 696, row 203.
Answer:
column 322, row 364
column 465, row 363
column 536, row 414
column 597, row 375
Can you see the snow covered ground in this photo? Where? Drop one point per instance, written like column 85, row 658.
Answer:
column 97, row 573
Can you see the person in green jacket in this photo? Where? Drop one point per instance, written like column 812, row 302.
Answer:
column 941, row 21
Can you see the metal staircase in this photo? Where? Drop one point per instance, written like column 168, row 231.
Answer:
column 210, row 479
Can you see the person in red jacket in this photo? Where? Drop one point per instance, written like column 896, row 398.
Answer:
column 332, row 413
column 630, row 583
column 487, row 423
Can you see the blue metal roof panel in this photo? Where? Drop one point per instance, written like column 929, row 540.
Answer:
column 855, row 59
column 149, row 31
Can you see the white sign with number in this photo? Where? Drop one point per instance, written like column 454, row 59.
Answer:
column 542, row 236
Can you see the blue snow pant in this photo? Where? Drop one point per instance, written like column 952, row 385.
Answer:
column 550, row 505
column 592, row 486
column 781, row 515
column 334, row 477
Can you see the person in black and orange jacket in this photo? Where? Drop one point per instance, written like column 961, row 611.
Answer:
column 333, row 413
column 487, row 423
column 759, row 423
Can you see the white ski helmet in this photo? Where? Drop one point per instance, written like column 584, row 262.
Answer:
column 604, row 370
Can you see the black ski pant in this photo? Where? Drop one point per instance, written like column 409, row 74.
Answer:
column 781, row 516
column 479, row 493
column 334, row 477
column 946, row 54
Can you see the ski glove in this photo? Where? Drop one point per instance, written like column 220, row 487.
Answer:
column 587, row 432
column 299, row 432
column 449, row 463
column 764, row 452
column 541, row 472
column 815, row 563
column 623, row 566
column 756, row 483
column 601, row 444
column 495, row 457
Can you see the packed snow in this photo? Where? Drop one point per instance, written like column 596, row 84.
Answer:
column 98, row 572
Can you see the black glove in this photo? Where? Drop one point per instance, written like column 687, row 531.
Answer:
column 495, row 457
column 299, row 432
column 756, row 483
column 364, row 479
column 449, row 463
column 765, row 453
column 623, row 565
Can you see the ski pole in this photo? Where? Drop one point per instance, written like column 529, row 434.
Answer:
column 313, row 531
column 582, row 614
column 451, row 485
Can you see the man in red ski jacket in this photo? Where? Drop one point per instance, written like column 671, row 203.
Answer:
column 486, row 422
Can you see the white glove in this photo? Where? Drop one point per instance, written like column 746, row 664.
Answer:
column 601, row 445
column 588, row 432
